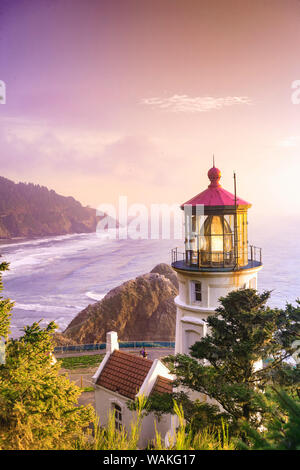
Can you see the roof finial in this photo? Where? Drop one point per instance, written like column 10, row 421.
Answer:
column 214, row 175
column 213, row 160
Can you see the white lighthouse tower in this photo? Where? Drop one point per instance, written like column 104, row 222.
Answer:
column 216, row 260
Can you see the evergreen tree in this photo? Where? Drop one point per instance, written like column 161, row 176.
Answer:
column 282, row 429
column 198, row 415
column 225, row 365
column 38, row 406
column 5, row 308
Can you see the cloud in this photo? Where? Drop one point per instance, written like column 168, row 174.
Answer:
column 30, row 147
column 197, row 104
column 27, row 145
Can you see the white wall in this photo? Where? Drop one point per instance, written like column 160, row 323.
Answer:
column 191, row 315
column 104, row 400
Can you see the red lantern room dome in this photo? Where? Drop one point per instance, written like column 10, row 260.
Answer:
column 215, row 195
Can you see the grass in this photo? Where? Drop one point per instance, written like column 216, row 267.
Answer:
column 87, row 389
column 76, row 362
column 206, row 439
column 111, row 438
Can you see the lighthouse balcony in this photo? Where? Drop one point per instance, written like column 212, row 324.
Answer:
column 200, row 260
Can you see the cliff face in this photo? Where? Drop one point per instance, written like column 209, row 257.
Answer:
column 139, row 309
column 28, row 210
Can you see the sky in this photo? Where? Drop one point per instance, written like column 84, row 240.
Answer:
column 128, row 97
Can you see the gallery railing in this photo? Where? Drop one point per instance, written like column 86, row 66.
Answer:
column 202, row 258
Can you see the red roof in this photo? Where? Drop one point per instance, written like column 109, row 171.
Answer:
column 124, row 373
column 215, row 195
column 162, row 385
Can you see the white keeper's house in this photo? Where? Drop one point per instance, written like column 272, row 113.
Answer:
column 121, row 377
column 216, row 259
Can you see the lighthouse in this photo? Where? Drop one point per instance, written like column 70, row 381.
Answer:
column 216, row 258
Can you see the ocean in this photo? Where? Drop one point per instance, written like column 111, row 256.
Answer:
column 54, row 278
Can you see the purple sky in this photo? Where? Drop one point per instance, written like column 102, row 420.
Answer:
column 129, row 97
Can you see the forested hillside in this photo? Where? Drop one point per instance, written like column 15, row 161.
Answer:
column 29, row 210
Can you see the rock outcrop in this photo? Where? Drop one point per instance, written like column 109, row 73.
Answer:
column 166, row 270
column 139, row 309
column 28, row 210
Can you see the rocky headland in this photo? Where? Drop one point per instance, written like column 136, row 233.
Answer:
column 140, row 309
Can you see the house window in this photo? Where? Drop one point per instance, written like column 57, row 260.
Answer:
column 118, row 416
column 197, row 295
column 191, row 337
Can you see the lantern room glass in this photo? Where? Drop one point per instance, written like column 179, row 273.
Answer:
column 218, row 239
column 211, row 240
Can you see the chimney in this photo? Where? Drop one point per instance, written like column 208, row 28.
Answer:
column 111, row 341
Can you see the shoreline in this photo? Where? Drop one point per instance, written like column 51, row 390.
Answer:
column 9, row 241
column 15, row 240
